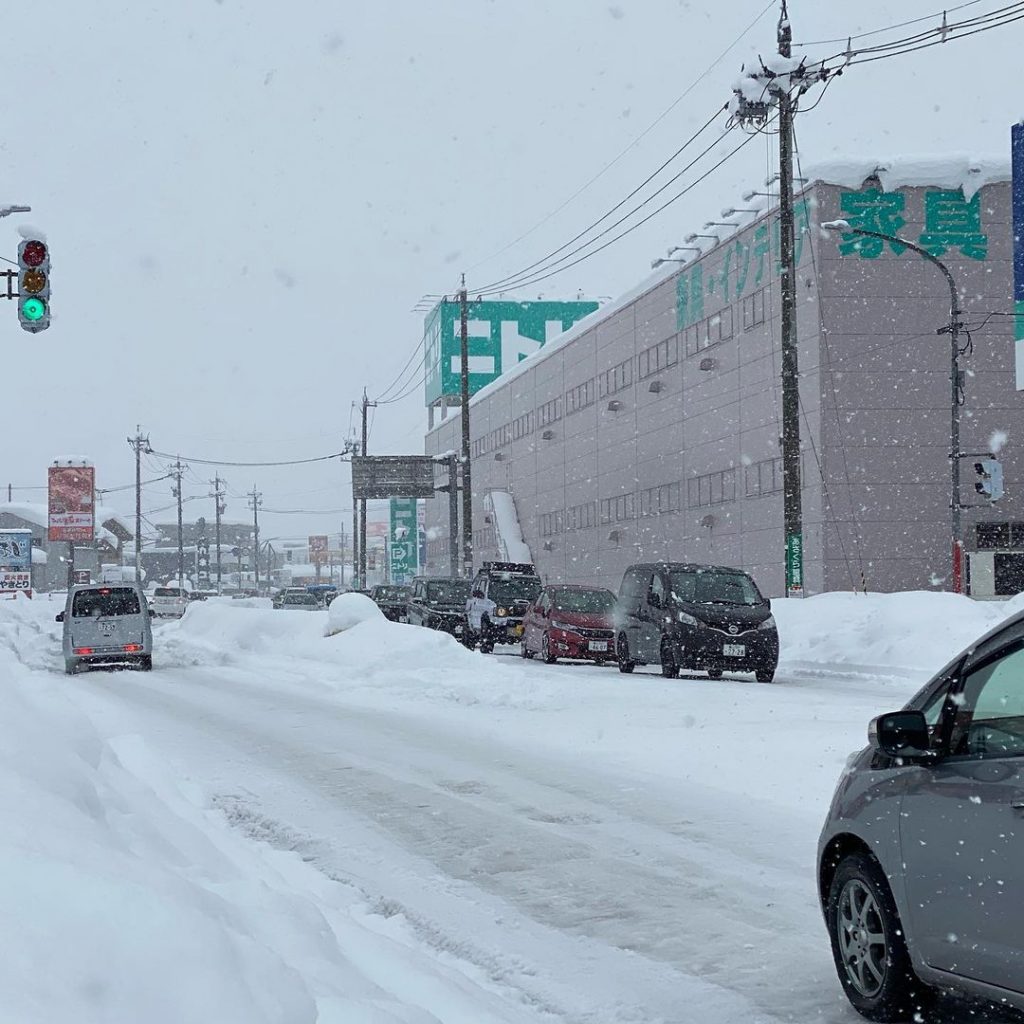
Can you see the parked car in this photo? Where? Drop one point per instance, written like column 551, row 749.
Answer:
column 301, row 602
column 502, row 594
column 703, row 617
column 571, row 622
column 106, row 626
column 438, row 602
column 392, row 601
column 170, row 602
column 920, row 872
column 278, row 599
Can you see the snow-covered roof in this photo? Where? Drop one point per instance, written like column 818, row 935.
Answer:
column 30, row 511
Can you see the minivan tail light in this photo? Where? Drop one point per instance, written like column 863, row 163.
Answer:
column 132, row 648
column 83, row 650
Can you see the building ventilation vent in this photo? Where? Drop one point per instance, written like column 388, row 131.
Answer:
column 656, row 386
column 614, row 405
column 548, row 435
column 549, row 545
column 615, row 536
column 707, row 363
column 498, row 457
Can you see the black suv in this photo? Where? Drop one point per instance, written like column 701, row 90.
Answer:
column 704, row 617
column 391, row 600
column 438, row 602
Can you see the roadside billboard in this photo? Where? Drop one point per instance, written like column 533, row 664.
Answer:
column 393, row 476
column 403, row 545
column 318, row 548
column 16, row 561
column 500, row 335
column 71, row 503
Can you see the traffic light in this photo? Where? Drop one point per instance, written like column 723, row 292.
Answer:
column 990, row 482
column 33, row 285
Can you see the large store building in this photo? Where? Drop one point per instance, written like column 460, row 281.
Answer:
column 651, row 428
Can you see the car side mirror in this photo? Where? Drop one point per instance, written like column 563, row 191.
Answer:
column 152, row 614
column 901, row 734
column 59, row 617
column 654, row 600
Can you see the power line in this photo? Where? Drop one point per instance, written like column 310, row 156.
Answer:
column 890, row 28
column 689, row 188
column 306, row 511
column 510, row 280
column 221, row 462
column 611, row 163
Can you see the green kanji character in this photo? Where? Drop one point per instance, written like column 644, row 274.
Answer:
column 872, row 210
column 723, row 277
column 760, row 249
column 690, row 297
column 950, row 221
column 742, row 253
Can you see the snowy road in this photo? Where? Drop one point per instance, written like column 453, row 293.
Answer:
column 588, row 848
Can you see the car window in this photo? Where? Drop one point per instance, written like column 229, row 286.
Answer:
column 704, row 586
column 92, row 604
column 633, row 584
column 593, row 602
column 989, row 719
column 448, row 591
column 657, row 591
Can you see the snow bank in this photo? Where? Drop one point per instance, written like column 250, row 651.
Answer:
column 949, row 171
column 348, row 610
column 909, row 635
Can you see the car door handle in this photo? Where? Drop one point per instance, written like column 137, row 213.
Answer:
column 1017, row 805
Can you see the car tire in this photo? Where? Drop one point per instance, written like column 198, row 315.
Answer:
column 524, row 650
column 872, row 961
column 486, row 643
column 146, row 663
column 765, row 675
column 715, row 673
column 669, row 665
column 622, row 655
column 545, row 650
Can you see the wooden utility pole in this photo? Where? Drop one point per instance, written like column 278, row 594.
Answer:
column 255, row 500
column 218, row 497
column 139, row 444
column 366, row 405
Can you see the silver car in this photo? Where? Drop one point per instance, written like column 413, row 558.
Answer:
column 107, row 625
column 921, row 860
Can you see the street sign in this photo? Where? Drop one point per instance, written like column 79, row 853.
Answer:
column 16, row 561
column 794, row 565
column 71, row 503
column 203, row 563
column 393, row 476
column 403, row 546
column 318, row 549
column 82, row 576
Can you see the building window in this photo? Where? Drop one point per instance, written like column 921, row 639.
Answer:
column 708, row 332
column 711, row 488
column 764, row 477
column 754, row 308
column 656, row 358
column 550, row 524
column 655, row 501
column 1008, row 536
column 616, row 379
column 549, row 412
column 580, row 396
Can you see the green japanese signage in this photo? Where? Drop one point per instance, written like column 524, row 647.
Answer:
column 738, row 268
column 951, row 222
column 501, row 334
column 794, row 565
column 403, row 543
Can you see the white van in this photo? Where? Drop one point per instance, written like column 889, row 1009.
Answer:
column 107, row 625
column 169, row 602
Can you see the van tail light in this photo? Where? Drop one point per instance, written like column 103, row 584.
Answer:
column 83, row 650
column 132, row 648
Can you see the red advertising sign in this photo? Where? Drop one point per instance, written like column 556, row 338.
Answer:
column 318, row 549
column 71, row 503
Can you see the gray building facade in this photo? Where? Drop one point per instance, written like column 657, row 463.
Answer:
column 651, row 430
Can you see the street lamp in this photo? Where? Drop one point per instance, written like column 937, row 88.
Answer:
column 695, row 235
column 953, row 330
column 672, row 250
column 731, row 211
column 6, row 211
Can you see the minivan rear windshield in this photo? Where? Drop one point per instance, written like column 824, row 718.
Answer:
column 448, row 591
column 92, row 604
column 702, row 586
column 167, row 592
column 392, row 594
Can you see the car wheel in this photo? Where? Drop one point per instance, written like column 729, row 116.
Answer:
column 545, row 650
column 765, row 675
column 714, row 673
column 669, row 665
column 486, row 643
column 622, row 655
column 146, row 663
column 524, row 650
column 868, row 944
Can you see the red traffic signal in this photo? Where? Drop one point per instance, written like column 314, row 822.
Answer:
column 33, row 253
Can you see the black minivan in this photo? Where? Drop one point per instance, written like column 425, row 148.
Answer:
column 705, row 617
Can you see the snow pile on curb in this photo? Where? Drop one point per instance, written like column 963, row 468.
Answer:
column 909, row 635
column 348, row 610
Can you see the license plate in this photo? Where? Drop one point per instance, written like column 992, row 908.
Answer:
column 734, row 650
column 517, row 630
column 599, row 645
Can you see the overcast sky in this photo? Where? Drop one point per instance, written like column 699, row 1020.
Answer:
column 244, row 200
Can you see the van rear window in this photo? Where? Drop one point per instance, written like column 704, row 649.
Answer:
column 105, row 601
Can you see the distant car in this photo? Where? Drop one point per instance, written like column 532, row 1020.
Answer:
column 704, row 617
column 169, row 602
column 501, row 595
column 300, row 603
column 920, row 873
column 571, row 622
column 106, row 626
column 278, row 599
column 392, row 601
column 438, row 602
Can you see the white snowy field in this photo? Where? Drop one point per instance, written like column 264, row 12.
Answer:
column 379, row 826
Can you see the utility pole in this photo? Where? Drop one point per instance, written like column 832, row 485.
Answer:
column 341, row 545
column 453, row 514
column 467, row 489
column 219, row 507
column 791, row 492
column 362, row 501
column 255, row 500
column 139, row 444
column 177, row 472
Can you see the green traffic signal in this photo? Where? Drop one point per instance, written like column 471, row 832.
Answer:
column 33, row 309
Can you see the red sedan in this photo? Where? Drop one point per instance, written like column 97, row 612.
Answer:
column 571, row 622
